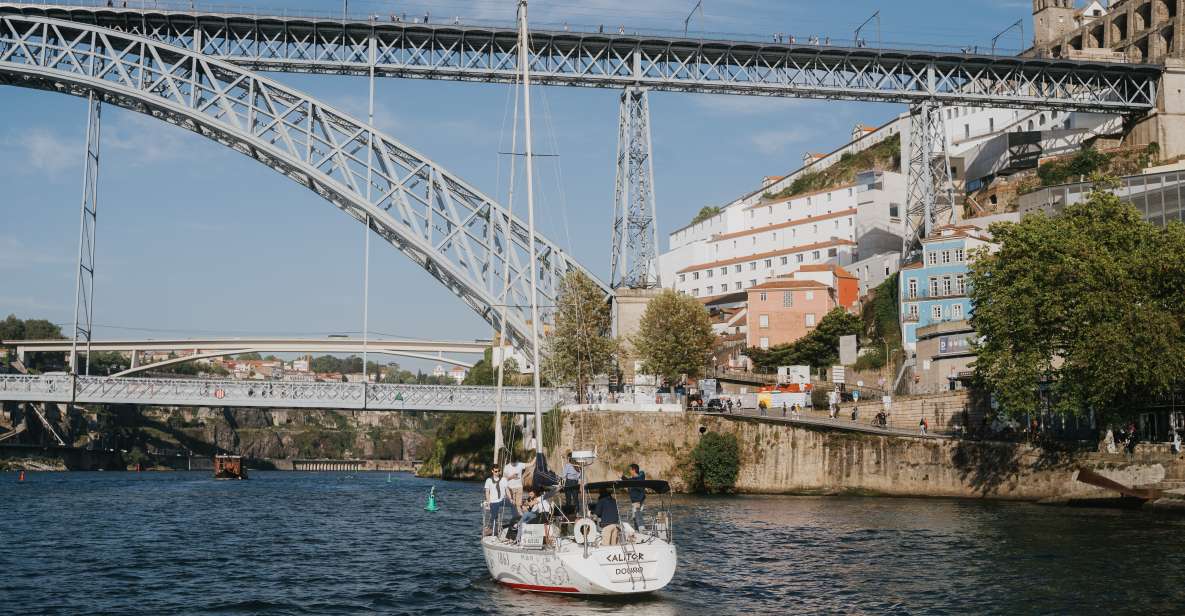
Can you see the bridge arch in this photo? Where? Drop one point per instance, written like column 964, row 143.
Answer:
column 457, row 234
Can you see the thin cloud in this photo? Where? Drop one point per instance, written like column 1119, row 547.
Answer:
column 15, row 254
column 777, row 141
column 45, row 151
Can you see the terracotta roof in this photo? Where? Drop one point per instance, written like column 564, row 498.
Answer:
column 914, row 265
column 827, row 267
column 783, row 225
column 740, row 296
column 970, row 231
column 766, row 255
column 800, row 196
column 788, row 284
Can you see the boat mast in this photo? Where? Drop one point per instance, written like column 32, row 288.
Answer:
column 507, row 235
column 524, row 61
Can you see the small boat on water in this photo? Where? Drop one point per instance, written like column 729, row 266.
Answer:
column 229, row 467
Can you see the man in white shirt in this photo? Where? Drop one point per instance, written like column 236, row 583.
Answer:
column 495, row 495
column 514, row 483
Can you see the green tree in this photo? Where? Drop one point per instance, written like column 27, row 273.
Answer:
column 12, row 328
column 705, row 213
column 675, row 336
column 1086, row 304
column 252, row 356
column 820, row 347
column 716, row 462
column 483, row 372
column 579, row 347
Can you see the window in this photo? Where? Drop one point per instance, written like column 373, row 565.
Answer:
column 815, row 255
column 695, row 275
column 810, row 295
column 711, row 289
column 695, row 292
column 960, row 284
column 763, row 297
column 836, row 221
column 966, row 131
column 894, row 210
column 913, row 287
column 752, row 283
column 764, row 342
column 958, row 255
column 737, row 285
column 724, row 271
column 682, row 277
column 991, row 125
column 956, row 312
column 913, row 311
column 785, row 260
column 936, row 312
column 831, row 252
column 798, row 258
column 931, row 257
column 787, row 299
column 946, row 256
column 946, row 285
column 752, row 266
column 754, row 240
column 810, row 319
column 769, row 263
column 737, row 268
column 933, row 287
column 763, row 320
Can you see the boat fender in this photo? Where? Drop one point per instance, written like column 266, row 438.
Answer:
column 585, row 530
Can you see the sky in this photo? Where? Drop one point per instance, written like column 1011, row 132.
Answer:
column 195, row 239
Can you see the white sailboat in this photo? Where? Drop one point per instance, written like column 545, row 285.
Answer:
column 567, row 550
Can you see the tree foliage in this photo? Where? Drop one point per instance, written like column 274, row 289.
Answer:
column 675, row 337
column 1088, row 304
column 12, row 328
column 705, row 213
column 820, row 347
column 716, row 462
column 579, row 347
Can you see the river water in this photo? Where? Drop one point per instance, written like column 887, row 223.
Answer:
column 329, row 543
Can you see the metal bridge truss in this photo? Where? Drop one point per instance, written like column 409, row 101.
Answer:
column 460, row 236
column 229, row 392
column 930, row 197
column 458, row 52
column 84, row 291
column 634, row 262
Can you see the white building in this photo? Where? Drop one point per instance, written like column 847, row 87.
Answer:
column 748, row 243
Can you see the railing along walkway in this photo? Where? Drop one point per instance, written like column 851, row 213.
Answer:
column 280, row 394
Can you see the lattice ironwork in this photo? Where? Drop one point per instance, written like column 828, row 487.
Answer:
column 459, row 235
column 460, row 52
column 84, row 291
column 930, row 195
column 634, row 262
column 228, row 392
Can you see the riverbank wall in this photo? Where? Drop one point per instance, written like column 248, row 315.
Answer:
column 784, row 458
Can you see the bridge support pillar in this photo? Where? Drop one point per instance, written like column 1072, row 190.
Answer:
column 930, row 195
column 84, row 308
column 634, row 260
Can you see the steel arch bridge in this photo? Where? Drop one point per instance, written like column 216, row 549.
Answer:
column 460, row 236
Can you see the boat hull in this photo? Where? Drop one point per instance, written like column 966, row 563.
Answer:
column 569, row 569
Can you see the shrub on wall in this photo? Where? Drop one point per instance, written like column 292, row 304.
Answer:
column 716, row 461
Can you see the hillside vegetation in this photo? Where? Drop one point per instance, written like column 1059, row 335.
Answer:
column 883, row 156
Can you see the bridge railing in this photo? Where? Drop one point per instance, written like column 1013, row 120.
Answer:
column 229, row 392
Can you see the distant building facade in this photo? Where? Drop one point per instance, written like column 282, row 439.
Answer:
column 934, row 290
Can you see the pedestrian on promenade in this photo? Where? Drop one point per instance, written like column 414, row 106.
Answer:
column 923, row 427
column 855, row 412
column 784, row 409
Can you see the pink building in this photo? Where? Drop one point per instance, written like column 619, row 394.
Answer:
column 783, row 310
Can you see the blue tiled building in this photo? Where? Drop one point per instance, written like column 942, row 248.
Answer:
column 934, row 290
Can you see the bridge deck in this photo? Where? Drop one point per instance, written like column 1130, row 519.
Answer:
column 617, row 59
column 271, row 394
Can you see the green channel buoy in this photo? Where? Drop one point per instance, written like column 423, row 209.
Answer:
column 431, row 506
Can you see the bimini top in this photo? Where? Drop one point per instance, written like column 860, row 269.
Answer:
column 657, row 486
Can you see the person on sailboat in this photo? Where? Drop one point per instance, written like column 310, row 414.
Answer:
column 605, row 509
column 495, row 496
column 637, row 495
column 571, row 477
column 535, row 507
column 514, row 483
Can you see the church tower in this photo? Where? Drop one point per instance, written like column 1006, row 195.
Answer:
column 1051, row 20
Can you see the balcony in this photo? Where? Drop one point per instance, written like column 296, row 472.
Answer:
column 925, row 294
